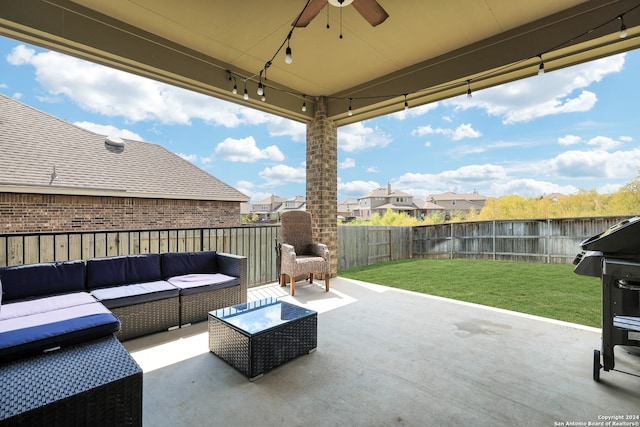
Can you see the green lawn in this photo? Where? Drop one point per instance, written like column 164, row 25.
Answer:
column 548, row 290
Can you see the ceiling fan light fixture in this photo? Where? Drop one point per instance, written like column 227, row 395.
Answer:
column 340, row 3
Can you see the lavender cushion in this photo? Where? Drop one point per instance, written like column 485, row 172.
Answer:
column 36, row 333
column 44, row 279
column 121, row 296
column 195, row 283
column 24, row 308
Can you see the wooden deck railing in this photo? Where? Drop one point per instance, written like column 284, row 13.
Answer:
column 256, row 243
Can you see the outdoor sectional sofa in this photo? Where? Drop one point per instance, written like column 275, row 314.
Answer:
column 51, row 305
column 81, row 309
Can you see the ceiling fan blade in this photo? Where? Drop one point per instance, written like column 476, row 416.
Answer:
column 310, row 12
column 371, row 11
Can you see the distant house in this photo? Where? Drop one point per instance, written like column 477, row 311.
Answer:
column 273, row 206
column 426, row 209
column 453, row 202
column 347, row 209
column 55, row 176
column 378, row 201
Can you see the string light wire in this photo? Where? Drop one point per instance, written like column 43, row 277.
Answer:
column 452, row 85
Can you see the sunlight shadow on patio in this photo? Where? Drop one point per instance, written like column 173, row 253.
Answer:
column 391, row 357
column 161, row 350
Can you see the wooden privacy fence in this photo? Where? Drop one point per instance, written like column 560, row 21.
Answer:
column 536, row 240
column 360, row 245
column 543, row 240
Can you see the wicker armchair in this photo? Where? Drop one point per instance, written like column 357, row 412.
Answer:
column 300, row 255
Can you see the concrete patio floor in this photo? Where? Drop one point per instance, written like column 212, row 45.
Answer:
column 389, row 357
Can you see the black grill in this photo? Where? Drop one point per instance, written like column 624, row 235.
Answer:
column 614, row 256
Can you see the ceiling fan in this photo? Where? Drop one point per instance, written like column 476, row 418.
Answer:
column 369, row 9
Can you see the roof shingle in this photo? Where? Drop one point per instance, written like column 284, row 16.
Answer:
column 33, row 143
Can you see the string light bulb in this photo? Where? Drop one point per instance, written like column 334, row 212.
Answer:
column 264, row 96
column 287, row 57
column 623, row 28
column 541, row 67
column 246, row 94
column 350, row 112
column 304, row 104
column 260, row 89
column 235, row 83
column 469, row 96
column 406, row 104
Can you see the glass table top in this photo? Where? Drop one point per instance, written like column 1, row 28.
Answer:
column 261, row 315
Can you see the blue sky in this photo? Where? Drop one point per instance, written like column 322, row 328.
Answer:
column 563, row 131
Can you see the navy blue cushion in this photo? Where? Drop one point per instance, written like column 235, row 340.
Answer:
column 180, row 263
column 36, row 339
column 33, row 280
column 122, row 270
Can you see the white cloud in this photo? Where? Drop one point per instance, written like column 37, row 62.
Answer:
column 549, row 94
column 115, row 93
column 109, row 130
column 282, row 174
column 595, row 164
column 245, row 150
column 462, row 180
column 18, row 95
column 188, row 157
column 347, row 163
column 356, row 188
column 569, row 140
column 414, row 111
column 529, row 188
column 357, row 136
column 462, row 131
column 604, row 143
column 465, row 131
column 279, row 126
column 372, row 169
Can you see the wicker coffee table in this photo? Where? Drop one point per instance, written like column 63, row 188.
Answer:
column 260, row 335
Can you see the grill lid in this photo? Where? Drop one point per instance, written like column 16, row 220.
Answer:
column 620, row 239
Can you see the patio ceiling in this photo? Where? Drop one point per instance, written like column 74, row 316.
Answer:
column 425, row 49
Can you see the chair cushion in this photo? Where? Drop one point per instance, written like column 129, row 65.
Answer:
column 44, row 279
column 30, row 307
column 138, row 293
column 122, row 270
column 195, row 283
column 181, row 263
column 36, row 333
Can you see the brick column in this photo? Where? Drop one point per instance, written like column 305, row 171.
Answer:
column 322, row 179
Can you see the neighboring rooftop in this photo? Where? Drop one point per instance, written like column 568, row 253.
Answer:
column 44, row 154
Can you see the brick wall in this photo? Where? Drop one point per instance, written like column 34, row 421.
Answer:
column 322, row 180
column 20, row 213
